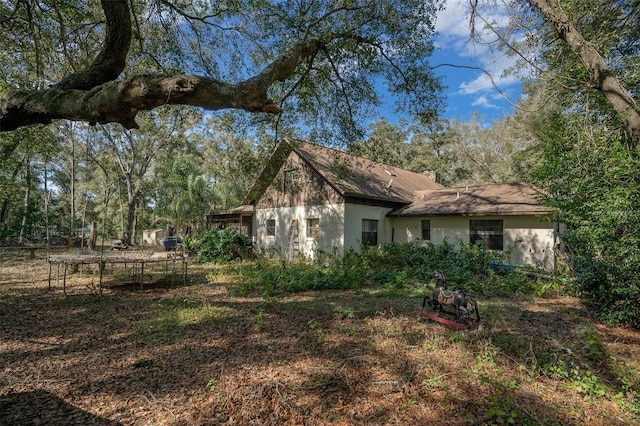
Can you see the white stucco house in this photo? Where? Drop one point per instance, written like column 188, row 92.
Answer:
column 310, row 198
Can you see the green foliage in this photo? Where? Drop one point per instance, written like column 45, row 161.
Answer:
column 398, row 268
column 579, row 376
column 503, row 410
column 362, row 43
column 223, row 245
column 593, row 178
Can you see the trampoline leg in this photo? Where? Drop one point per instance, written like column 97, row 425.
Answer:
column 64, row 279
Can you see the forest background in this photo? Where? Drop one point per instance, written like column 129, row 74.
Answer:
column 323, row 66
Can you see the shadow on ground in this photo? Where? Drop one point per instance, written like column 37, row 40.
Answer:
column 40, row 407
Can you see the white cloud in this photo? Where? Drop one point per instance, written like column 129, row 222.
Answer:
column 482, row 101
column 480, row 84
column 455, row 46
column 453, row 21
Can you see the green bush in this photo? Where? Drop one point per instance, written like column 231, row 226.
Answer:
column 396, row 267
column 224, row 245
column 596, row 196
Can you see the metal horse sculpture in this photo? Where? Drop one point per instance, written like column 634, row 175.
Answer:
column 464, row 306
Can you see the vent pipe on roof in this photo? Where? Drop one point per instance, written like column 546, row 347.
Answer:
column 458, row 195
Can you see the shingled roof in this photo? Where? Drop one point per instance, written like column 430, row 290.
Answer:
column 359, row 177
column 485, row 200
column 348, row 174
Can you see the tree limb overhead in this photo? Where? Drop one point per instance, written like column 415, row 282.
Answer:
column 111, row 60
column 94, row 95
column 615, row 93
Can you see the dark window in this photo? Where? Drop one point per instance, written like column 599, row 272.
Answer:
column 313, row 228
column 487, row 231
column 271, row 227
column 369, row 232
column 426, row 230
column 291, row 178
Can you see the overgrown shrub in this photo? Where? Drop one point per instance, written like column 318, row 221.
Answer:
column 592, row 180
column 224, row 245
column 391, row 266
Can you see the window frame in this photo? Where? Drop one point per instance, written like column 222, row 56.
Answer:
column 369, row 237
column 427, row 229
column 489, row 231
column 311, row 230
column 271, row 230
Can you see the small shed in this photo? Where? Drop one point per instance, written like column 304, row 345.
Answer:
column 152, row 237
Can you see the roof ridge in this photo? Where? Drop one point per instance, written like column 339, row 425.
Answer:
column 354, row 156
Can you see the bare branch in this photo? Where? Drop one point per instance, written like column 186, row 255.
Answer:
column 488, row 74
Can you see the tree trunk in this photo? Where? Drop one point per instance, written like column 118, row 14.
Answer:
column 615, row 93
column 132, row 201
column 72, row 177
column 93, row 235
column 27, row 196
column 47, row 198
column 4, row 217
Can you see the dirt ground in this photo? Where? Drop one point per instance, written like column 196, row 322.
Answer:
column 195, row 354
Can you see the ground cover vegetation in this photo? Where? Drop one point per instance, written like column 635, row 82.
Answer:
column 225, row 349
column 337, row 341
column 392, row 266
column 567, row 135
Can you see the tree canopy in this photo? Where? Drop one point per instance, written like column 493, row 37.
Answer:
column 585, row 57
column 103, row 62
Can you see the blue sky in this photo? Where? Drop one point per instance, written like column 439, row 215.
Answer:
column 471, row 90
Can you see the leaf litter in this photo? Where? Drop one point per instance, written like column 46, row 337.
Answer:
column 196, row 354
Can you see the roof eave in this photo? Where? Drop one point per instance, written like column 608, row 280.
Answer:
column 396, row 200
column 476, row 214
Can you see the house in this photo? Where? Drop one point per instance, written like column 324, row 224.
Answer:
column 310, row 198
column 506, row 217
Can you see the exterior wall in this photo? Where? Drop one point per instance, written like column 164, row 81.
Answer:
column 309, row 197
column 152, row 237
column 340, row 227
column 309, row 189
column 527, row 240
column 354, row 214
column 331, row 229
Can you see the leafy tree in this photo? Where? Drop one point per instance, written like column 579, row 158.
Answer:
column 469, row 153
column 586, row 54
column 319, row 61
column 458, row 153
column 181, row 196
column 131, row 158
column 233, row 159
column 212, row 169
column 21, row 178
column 387, row 143
column 592, row 177
column 580, row 106
column 591, row 34
column 431, row 149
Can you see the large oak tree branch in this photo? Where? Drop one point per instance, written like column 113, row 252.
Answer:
column 120, row 101
column 615, row 93
column 94, row 95
column 112, row 58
